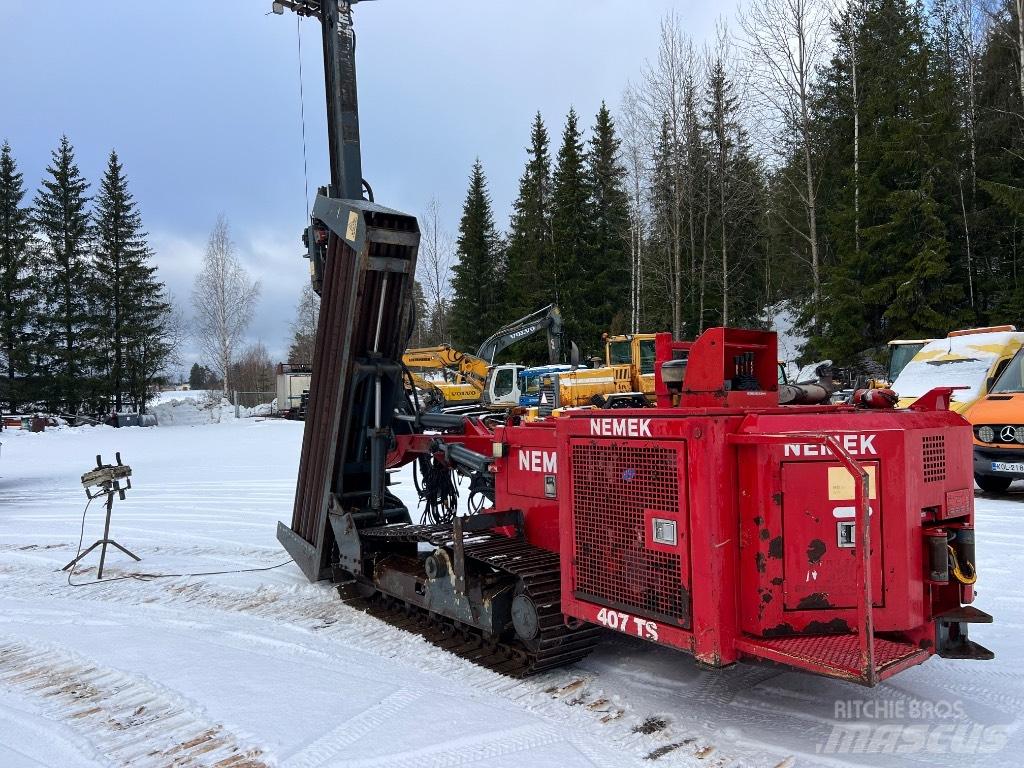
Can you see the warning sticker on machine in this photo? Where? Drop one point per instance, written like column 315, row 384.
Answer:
column 843, row 487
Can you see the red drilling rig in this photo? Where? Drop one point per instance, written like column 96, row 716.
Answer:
column 834, row 539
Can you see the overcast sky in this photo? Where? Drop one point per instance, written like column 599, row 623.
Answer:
column 201, row 101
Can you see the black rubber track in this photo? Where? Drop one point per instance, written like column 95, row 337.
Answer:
column 538, row 576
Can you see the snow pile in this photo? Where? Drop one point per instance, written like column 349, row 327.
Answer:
column 791, row 341
column 263, row 409
column 183, row 394
column 962, row 361
column 202, row 406
column 193, row 409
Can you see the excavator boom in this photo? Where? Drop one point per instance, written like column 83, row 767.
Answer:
column 547, row 319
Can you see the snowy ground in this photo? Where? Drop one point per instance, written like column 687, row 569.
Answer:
column 264, row 669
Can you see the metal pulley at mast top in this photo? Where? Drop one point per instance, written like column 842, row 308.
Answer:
column 339, row 45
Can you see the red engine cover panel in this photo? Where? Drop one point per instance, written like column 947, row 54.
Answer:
column 527, row 479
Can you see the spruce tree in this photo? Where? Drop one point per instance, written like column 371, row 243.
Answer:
column 476, row 303
column 721, row 127
column 17, row 294
column 572, row 231
column 892, row 276
column 151, row 342
column 530, row 272
column 63, row 219
column 732, row 280
column 609, row 258
column 421, row 329
column 124, row 288
column 658, row 278
column 197, row 377
column 996, row 233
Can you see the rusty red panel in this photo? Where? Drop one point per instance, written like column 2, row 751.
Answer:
column 819, row 565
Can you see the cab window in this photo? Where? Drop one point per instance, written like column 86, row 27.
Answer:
column 647, row 356
column 899, row 356
column 1012, row 377
column 504, row 381
column 619, row 353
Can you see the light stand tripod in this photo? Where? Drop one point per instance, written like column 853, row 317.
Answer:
column 107, row 479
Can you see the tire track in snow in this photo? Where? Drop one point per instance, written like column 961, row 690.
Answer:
column 463, row 750
column 40, row 743
column 128, row 720
column 326, row 748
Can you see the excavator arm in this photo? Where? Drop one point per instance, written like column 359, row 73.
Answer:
column 447, row 358
column 547, row 319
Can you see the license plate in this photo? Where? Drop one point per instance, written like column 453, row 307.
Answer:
column 1008, row 466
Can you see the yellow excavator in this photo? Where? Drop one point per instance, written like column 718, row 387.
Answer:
column 448, row 377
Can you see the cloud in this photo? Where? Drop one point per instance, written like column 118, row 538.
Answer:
column 273, row 257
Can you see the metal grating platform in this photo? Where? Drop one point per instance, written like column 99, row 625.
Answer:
column 834, row 655
column 613, row 485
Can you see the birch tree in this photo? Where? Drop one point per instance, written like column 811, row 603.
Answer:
column 785, row 42
column 957, row 36
column 224, row 298
column 307, row 317
column 670, row 83
column 636, row 140
column 435, row 261
column 850, row 14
